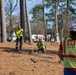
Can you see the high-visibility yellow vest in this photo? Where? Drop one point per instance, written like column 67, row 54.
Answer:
column 41, row 43
column 19, row 33
column 69, row 53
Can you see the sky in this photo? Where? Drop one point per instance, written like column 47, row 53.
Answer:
column 31, row 4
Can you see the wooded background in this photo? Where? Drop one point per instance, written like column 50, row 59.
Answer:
column 46, row 17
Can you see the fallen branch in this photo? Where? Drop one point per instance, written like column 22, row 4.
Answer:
column 33, row 60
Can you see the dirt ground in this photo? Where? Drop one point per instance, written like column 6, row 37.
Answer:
column 28, row 61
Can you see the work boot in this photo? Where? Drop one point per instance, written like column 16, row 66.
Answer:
column 43, row 50
column 20, row 47
column 16, row 50
column 39, row 50
column 16, row 47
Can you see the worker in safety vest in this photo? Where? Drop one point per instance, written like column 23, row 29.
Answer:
column 67, row 52
column 19, row 34
column 41, row 45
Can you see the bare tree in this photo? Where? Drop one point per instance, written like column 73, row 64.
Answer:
column 10, row 7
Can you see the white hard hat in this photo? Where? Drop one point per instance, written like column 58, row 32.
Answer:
column 72, row 28
column 40, row 38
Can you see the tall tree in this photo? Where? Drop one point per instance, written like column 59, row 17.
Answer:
column 3, row 25
column 38, row 19
column 22, row 18
column 10, row 6
column 0, row 20
column 28, row 22
column 37, row 12
column 57, row 33
column 64, row 7
column 44, row 21
column 39, row 16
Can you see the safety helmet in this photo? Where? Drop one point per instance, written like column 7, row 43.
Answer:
column 72, row 28
column 40, row 39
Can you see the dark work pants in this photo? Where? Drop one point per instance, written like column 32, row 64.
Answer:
column 69, row 72
column 17, row 41
column 41, row 49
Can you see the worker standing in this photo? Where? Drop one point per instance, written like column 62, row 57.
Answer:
column 19, row 34
column 67, row 52
column 41, row 45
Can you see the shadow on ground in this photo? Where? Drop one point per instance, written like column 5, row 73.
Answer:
column 13, row 50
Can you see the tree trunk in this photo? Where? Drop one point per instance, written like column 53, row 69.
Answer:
column 28, row 22
column 44, row 22
column 56, row 18
column 10, row 19
column 3, row 25
column 0, row 21
column 62, row 30
column 67, row 21
column 22, row 18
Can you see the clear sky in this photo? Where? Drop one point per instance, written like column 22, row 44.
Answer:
column 31, row 4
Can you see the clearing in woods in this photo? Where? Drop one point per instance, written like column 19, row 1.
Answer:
column 28, row 62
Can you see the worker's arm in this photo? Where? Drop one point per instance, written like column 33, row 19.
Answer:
column 60, row 54
column 38, row 44
column 21, row 30
column 60, row 51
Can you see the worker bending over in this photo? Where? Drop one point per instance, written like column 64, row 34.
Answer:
column 41, row 45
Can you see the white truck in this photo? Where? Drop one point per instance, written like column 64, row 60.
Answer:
column 35, row 37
